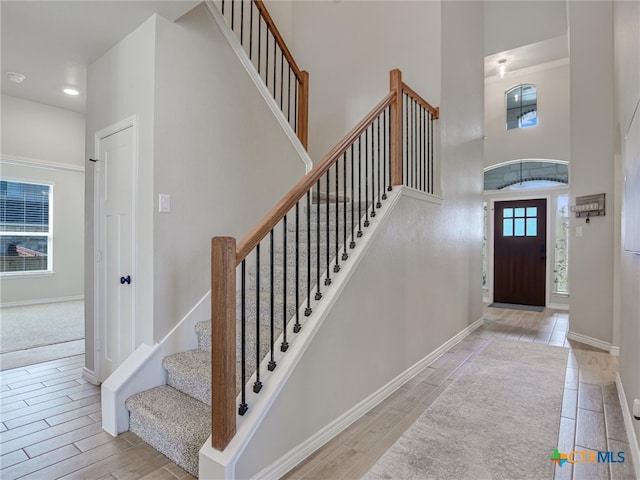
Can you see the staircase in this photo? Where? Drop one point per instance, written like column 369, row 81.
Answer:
column 175, row 418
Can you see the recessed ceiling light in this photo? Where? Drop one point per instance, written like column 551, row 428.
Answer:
column 71, row 91
column 15, row 77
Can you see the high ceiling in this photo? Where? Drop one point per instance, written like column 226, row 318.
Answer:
column 52, row 42
column 529, row 56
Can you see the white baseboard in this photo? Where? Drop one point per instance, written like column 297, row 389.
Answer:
column 593, row 342
column 628, row 425
column 41, row 301
column 90, row 376
column 304, row 450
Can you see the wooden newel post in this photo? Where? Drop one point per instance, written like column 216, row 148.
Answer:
column 395, row 86
column 223, row 341
column 303, row 109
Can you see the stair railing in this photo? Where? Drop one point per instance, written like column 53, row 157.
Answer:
column 294, row 253
column 288, row 84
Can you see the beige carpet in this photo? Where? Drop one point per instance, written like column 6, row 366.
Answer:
column 498, row 420
column 37, row 325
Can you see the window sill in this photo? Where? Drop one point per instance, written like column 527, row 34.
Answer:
column 8, row 275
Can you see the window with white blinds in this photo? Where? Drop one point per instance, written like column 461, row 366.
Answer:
column 25, row 227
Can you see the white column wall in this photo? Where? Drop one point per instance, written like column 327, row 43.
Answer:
column 592, row 166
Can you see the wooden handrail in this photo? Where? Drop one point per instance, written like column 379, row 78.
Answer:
column 272, row 218
column 276, row 34
column 411, row 92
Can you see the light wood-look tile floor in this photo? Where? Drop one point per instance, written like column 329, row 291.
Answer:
column 591, row 415
column 50, row 424
column 50, row 428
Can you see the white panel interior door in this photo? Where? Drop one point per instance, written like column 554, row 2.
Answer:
column 116, row 292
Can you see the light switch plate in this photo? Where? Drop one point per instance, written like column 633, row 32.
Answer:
column 578, row 231
column 164, row 203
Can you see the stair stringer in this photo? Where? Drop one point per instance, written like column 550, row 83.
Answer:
column 143, row 369
column 233, row 462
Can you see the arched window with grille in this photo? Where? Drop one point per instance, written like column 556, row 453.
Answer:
column 522, row 106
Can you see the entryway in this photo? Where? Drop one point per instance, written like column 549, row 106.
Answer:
column 520, row 252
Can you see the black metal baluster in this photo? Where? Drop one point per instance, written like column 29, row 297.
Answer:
column 257, row 386
column 420, row 152
column 327, row 280
column 359, row 234
column 266, row 56
column 406, row 132
column 379, row 204
column 308, row 310
column 272, row 331
column 289, row 96
column 259, row 44
column 281, row 77
column 345, row 255
column 366, row 177
column 223, row 7
column 241, row 22
column 424, row 151
column 295, row 105
column 353, row 199
column 297, row 326
column 242, row 409
column 285, row 345
column 373, row 172
column 336, row 267
column 318, row 293
column 275, row 65
column 385, row 181
column 431, row 175
column 251, row 31
column 415, row 146
column 431, row 154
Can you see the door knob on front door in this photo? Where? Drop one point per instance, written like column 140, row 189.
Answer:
column 126, row 280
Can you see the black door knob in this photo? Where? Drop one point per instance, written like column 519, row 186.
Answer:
column 126, row 280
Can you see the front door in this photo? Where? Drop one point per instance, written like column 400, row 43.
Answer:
column 520, row 252
column 115, row 270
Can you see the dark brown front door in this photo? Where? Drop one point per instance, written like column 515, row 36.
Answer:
column 520, row 252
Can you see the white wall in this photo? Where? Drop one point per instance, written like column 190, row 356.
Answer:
column 517, row 23
column 550, row 138
column 206, row 137
column 349, row 68
column 45, row 144
column 626, row 17
column 119, row 85
column 219, row 153
column 592, row 166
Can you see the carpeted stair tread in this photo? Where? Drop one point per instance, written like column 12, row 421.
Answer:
column 172, row 422
column 190, row 372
